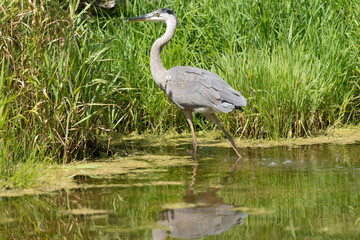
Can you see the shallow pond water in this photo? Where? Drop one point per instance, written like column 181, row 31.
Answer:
column 308, row 192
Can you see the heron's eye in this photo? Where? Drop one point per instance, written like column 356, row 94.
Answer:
column 158, row 14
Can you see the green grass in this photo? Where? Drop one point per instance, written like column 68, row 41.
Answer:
column 70, row 73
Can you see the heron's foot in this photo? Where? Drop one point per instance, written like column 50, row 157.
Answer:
column 231, row 141
column 193, row 151
column 195, row 148
column 238, row 154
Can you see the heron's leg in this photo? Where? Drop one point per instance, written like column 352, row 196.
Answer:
column 188, row 115
column 215, row 120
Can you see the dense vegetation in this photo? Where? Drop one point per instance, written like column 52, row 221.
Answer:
column 70, row 72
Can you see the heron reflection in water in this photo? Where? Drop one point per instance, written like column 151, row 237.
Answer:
column 201, row 214
column 210, row 216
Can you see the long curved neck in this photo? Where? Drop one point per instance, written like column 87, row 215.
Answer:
column 157, row 68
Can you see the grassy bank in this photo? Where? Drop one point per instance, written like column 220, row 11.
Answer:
column 70, row 73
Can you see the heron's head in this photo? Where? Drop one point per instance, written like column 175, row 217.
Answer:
column 161, row 15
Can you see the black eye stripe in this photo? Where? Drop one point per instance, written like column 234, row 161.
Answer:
column 166, row 10
column 169, row 11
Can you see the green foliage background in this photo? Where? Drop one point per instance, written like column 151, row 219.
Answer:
column 70, row 72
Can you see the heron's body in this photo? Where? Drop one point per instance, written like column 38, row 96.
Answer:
column 191, row 89
column 201, row 91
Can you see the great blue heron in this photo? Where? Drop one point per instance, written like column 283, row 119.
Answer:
column 191, row 89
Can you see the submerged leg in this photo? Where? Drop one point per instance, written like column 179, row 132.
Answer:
column 188, row 115
column 212, row 117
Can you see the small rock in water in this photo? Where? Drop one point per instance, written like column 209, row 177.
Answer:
column 272, row 164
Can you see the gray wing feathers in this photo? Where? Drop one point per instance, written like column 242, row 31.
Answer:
column 193, row 88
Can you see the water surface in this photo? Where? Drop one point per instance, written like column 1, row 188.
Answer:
column 309, row 192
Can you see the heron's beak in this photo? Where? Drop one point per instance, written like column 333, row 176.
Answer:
column 138, row 19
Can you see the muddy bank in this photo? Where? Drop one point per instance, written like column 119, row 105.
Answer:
column 348, row 135
column 136, row 157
